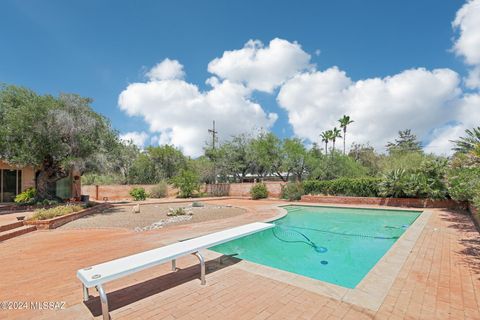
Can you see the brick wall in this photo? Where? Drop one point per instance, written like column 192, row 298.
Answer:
column 393, row 202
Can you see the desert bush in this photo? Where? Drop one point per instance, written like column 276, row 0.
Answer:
column 188, row 183
column 44, row 214
column 259, row 191
column 292, row 191
column 173, row 212
column 138, row 194
column 26, row 197
column 160, row 190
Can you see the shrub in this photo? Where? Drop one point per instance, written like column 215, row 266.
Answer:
column 259, row 191
column 292, row 191
column 394, row 184
column 462, row 183
column 44, row 214
column 26, row 197
column 138, row 194
column 188, row 183
column 160, row 190
column 48, row 202
column 353, row 187
column 197, row 204
column 173, row 212
column 425, row 183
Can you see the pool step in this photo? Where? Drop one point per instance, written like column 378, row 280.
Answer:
column 15, row 232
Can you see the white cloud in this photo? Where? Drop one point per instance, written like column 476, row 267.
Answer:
column 473, row 79
column 166, row 70
column 181, row 114
column 430, row 102
column 259, row 67
column 417, row 99
column 137, row 138
column 467, row 45
column 467, row 116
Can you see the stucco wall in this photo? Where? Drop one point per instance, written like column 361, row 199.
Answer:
column 28, row 174
column 243, row 189
column 118, row 192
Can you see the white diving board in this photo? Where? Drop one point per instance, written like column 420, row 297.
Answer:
column 97, row 275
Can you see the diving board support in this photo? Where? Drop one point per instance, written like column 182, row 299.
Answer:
column 85, row 293
column 202, row 267
column 104, row 301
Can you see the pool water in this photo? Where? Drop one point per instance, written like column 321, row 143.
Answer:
column 336, row 245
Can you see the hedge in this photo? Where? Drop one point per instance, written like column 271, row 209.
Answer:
column 353, row 187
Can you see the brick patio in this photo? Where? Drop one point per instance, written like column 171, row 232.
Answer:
column 439, row 280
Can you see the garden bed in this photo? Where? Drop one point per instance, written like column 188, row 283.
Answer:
column 392, row 202
column 152, row 216
column 61, row 220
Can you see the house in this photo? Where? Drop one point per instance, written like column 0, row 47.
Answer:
column 15, row 179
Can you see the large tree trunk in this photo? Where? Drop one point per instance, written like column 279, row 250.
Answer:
column 50, row 173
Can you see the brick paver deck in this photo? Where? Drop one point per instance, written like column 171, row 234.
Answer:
column 439, row 280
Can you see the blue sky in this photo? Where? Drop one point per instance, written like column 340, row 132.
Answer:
column 98, row 48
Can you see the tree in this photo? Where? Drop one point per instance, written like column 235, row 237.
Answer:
column 233, row 158
column 54, row 134
column 203, row 166
column 335, row 133
column 334, row 166
column 143, row 171
column 121, row 159
column 264, row 154
column 344, row 122
column 406, row 142
column 366, row 156
column 325, row 138
column 168, row 161
column 468, row 143
column 294, row 157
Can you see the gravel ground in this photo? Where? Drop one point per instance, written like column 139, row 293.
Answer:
column 151, row 216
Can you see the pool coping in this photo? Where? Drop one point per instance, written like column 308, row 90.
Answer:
column 374, row 287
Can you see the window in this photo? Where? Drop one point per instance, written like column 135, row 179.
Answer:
column 10, row 184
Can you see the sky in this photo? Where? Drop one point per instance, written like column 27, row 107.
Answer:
column 162, row 71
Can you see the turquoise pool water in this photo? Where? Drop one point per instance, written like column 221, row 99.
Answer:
column 336, row 245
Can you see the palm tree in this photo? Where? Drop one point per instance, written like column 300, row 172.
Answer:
column 344, row 122
column 335, row 133
column 329, row 134
column 325, row 138
column 468, row 143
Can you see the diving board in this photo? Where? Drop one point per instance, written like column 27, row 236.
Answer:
column 97, row 275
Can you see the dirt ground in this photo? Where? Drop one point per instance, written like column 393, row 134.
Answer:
column 123, row 217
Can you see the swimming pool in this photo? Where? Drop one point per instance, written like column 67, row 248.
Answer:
column 332, row 244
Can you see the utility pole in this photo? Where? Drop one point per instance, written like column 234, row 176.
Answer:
column 214, row 136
